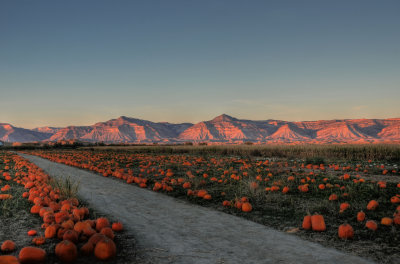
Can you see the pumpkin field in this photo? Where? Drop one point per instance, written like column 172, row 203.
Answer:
column 352, row 206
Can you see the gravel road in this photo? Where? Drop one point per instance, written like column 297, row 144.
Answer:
column 168, row 230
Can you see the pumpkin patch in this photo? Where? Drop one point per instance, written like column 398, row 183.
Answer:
column 329, row 201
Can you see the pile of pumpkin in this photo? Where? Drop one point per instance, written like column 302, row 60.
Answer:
column 62, row 219
column 316, row 222
column 241, row 204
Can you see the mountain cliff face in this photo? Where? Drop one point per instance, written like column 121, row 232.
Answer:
column 223, row 128
column 9, row 133
column 126, row 129
column 49, row 130
column 71, row 132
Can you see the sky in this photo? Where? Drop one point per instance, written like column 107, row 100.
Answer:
column 80, row 62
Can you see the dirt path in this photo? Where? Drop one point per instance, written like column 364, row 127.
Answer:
column 173, row 231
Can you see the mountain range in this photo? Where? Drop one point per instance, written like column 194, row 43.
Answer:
column 223, row 128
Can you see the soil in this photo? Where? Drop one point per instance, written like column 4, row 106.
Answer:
column 170, row 230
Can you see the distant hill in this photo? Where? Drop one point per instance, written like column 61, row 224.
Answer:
column 223, row 128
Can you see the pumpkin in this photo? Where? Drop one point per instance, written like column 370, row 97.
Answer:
column 105, row 249
column 207, row 197
column 318, row 223
column 395, row 199
column 226, row 203
column 80, row 226
column 8, row 246
column 117, row 227
column 360, row 216
column 201, row 193
column 88, row 231
column 32, row 232
column 107, row 232
column 246, row 207
column 285, row 190
column 71, row 235
column 48, row 218
column 345, row 231
column 35, row 209
column 187, row 185
column 61, row 216
column 50, row 231
column 96, row 238
column 307, row 222
column 66, row 251
column 39, row 240
column 371, row 224
column 44, row 210
column 387, row 221
column 32, row 255
column 333, row 197
column 238, row 204
column 69, row 224
column 344, row 207
column 60, row 232
column 6, row 259
column 78, row 214
column 372, row 205
column 87, row 249
column 101, row 223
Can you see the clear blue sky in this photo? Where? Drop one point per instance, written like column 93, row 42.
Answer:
column 79, row 62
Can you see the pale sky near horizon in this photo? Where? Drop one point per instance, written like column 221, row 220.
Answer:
column 81, row 62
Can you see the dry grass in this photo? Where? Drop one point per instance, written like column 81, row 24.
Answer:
column 68, row 188
column 345, row 152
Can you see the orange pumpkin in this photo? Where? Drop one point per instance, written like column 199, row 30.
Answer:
column 8, row 246
column 32, row 255
column 39, row 240
column 333, row 197
column 105, row 249
column 318, row 223
column 360, row 216
column 101, row 223
column 6, row 259
column 87, row 249
column 345, row 231
column 117, row 227
column 387, row 221
column 344, row 207
column 50, row 231
column 32, row 232
column 372, row 205
column 207, row 197
column 307, row 222
column 66, row 251
column 96, row 238
column 246, row 207
column 187, row 185
column 107, row 232
column 395, row 199
column 88, row 231
column 71, row 235
column 371, row 224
